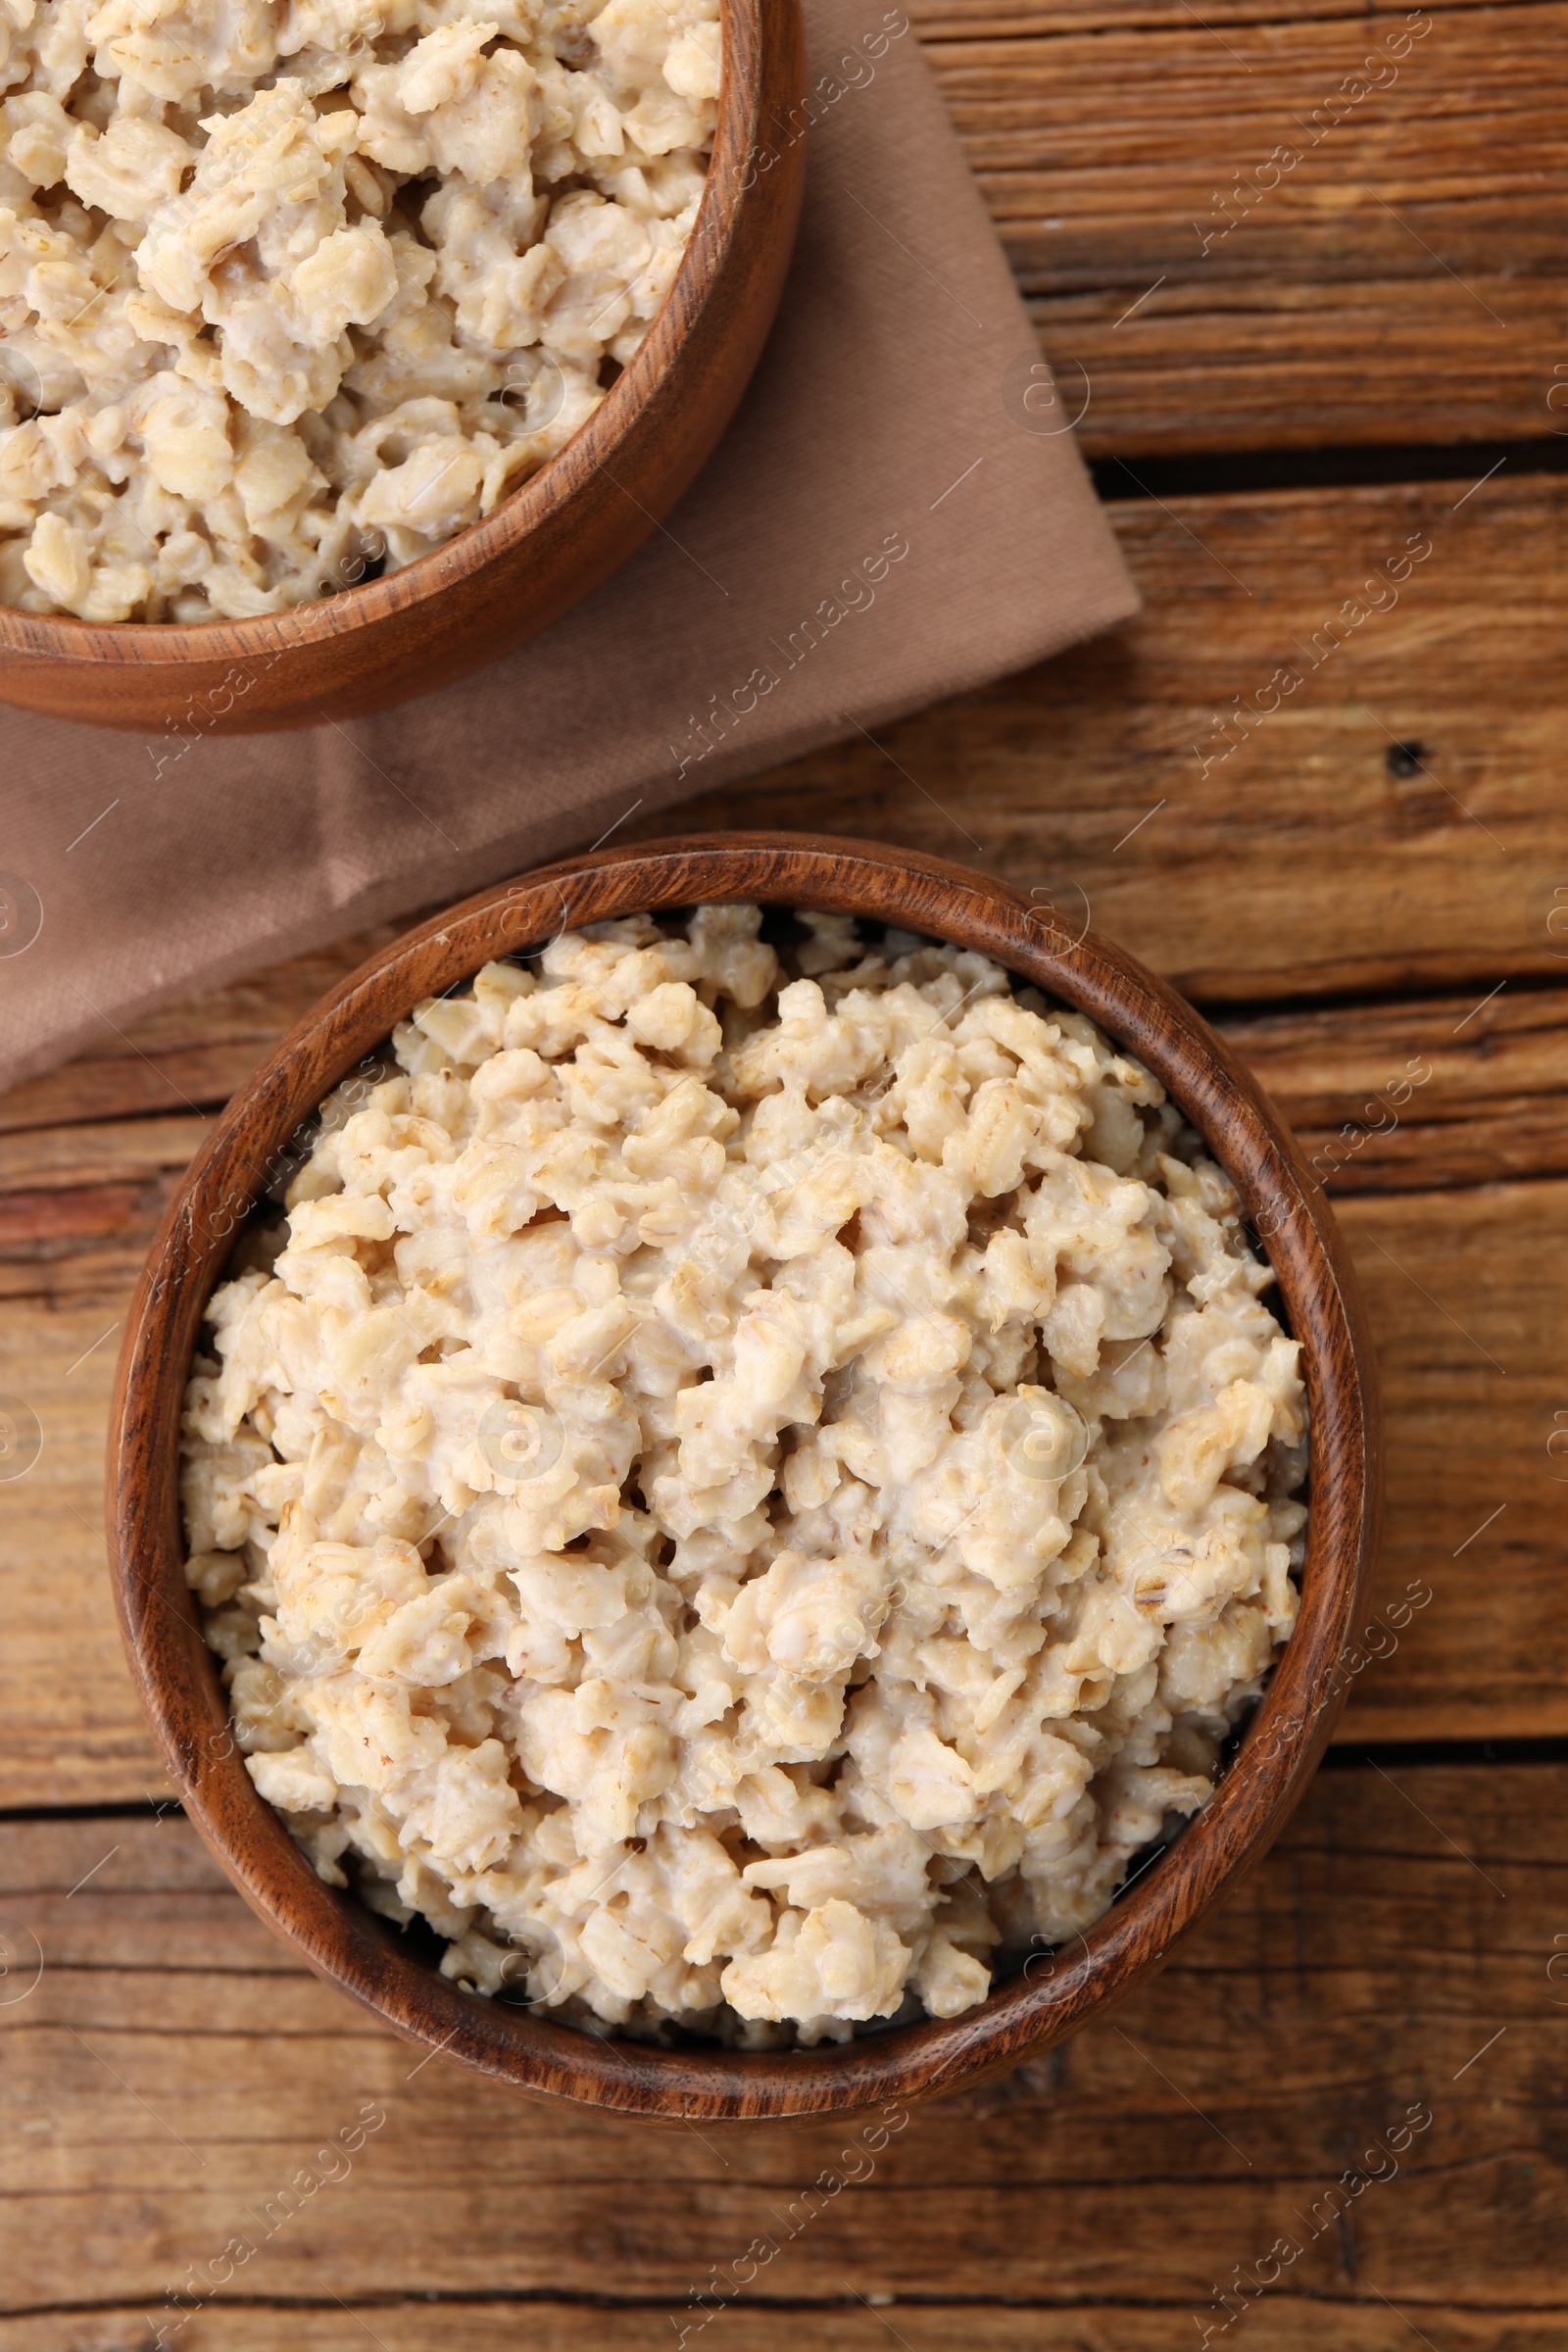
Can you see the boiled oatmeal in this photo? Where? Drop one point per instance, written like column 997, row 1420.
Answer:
column 292, row 286
column 751, row 1482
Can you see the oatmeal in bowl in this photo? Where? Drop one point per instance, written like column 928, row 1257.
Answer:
column 293, row 291
column 754, row 1483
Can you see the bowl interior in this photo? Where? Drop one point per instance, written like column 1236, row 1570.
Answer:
column 1054, row 1992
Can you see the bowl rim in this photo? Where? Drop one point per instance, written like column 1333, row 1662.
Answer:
column 522, row 511
column 176, row 1675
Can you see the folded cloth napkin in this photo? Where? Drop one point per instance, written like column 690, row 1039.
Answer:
column 897, row 513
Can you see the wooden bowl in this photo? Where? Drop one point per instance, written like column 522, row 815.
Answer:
column 177, row 1675
column 545, row 547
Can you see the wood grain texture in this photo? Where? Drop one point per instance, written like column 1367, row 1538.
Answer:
column 983, row 19
column 1313, row 856
column 1469, row 1295
column 1316, row 259
column 1436, row 1090
column 1404, row 1939
column 176, row 1676
column 175, row 2071
column 848, row 2325
column 1420, row 1094
column 1476, row 1658
column 73, row 1734
column 1487, row 1656
column 548, row 543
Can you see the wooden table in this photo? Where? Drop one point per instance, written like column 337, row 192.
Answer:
column 1358, row 887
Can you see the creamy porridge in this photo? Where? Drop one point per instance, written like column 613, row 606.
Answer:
column 753, row 1482
column 290, row 286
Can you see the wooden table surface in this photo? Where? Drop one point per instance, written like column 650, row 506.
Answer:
column 1319, row 307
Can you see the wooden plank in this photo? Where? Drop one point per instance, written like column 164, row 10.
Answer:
column 999, row 20
column 68, row 1158
column 1417, row 1093
column 74, row 1730
column 1463, row 1290
column 1267, row 363
column 1314, row 260
column 1460, row 1284
column 1132, row 130
column 544, row 2325
column 1458, row 1281
column 1302, row 853
column 171, row 2072
column 1434, row 1090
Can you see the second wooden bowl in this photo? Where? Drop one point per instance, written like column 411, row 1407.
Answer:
column 178, row 1675
column 545, row 547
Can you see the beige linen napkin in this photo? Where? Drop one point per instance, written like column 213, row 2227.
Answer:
column 898, row 513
